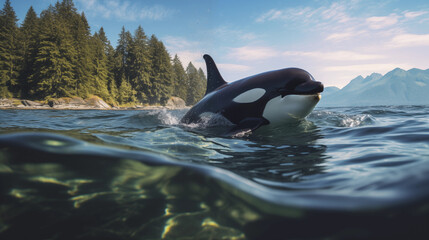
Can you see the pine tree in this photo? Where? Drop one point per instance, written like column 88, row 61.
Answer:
column 126, row 93
column 86, row 73
column 56, row 56
column 192, row 95
column 99, row 76
column 109, row 52
column 78, row 31
column 121, row 60
column 161, row 72
column 202, row 84
column 54, row 69
column 29, row 35
column 9, row 59
column 180, row 79
column 140, row 65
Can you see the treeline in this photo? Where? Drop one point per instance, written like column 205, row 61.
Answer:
column 55, row 55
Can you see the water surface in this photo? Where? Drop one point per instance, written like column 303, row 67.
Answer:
column 341, row 173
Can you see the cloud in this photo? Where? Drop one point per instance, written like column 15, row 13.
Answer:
column 179, row 43
column 286, row 14
column 345, row 35
column 272, row 14
column 336, row 55
column 409, row 40
column 124, row 10
column 336, row 12
column 250, row 53
column 382, row 22
column 411, row 15
column 341, row 21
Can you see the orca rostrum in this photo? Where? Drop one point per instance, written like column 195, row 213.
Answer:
column 269, row 98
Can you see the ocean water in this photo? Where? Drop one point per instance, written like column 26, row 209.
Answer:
column 342, row 173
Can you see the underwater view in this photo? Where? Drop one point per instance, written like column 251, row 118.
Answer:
column 341, row 173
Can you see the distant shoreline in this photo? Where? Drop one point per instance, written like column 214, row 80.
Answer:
column 76, row 103
column 89, row 108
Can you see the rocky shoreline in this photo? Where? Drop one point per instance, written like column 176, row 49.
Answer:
column 77, row 103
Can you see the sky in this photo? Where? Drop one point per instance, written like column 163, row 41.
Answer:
column 335, row 41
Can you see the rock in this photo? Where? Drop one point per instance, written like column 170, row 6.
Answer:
column 78, row 103
column 54, row 102
column 21, row 103
column 6, row 103
column 29, row 103
column 66, row 102
column 175, row 102
column 97, row 102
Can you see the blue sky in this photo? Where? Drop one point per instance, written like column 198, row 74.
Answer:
column 334, row 40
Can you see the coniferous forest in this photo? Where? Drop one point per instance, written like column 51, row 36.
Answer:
column 55, row 55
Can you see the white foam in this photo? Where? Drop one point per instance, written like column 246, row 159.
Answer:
column 166, row 117
column 340, row 119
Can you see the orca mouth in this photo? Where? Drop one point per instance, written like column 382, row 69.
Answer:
column 306, row 88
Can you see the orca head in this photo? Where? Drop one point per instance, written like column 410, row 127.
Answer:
column 297, row 93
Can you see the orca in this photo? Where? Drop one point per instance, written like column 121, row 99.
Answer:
column 269, row 98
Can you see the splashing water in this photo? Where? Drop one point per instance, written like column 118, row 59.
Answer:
column 165, row 116
column 341, row 120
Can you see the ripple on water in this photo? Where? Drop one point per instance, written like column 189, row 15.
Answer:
column 336, row 119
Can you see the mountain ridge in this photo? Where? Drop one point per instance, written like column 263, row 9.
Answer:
column 397, row 87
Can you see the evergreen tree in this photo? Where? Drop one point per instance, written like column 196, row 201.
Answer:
column 29, row 35
column 192, row 96
column 121, row 60
column 126, row 93
column 202, row 84
column 56, row 56
column 9, row 59
column 140, row 65
column 78, row 30
column 54, row 69
column 180, row 79
column 99, row 76
column 109, row 52
column 88, row 82
column 160, row 72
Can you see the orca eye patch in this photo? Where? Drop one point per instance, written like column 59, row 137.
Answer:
column 250, row 96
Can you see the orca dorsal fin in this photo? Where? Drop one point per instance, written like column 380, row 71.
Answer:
column 214, row 79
